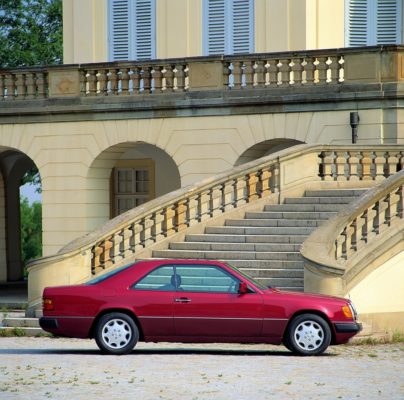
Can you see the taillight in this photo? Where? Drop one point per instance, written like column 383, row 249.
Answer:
column 48, row 304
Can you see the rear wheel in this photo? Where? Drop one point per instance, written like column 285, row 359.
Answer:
column 308, row 335
column 116, row 333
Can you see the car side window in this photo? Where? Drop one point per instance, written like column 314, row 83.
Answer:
column 206, row 278
column 159, row 279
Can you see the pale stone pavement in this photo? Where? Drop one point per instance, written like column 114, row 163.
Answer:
column 49, row 368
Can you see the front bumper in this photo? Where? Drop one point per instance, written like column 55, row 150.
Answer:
column 350, row 327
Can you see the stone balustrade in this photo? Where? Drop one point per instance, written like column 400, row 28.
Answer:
column 377, row 64
column 126, row 236
column 333, row 253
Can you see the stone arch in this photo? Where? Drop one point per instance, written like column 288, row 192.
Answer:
column 13, row 166
column 265, row 148
column 163, row 177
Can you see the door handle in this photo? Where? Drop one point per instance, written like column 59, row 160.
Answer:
column 182, row 300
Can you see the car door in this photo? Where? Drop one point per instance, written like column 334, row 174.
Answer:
column 207, row 304
column 152, row 298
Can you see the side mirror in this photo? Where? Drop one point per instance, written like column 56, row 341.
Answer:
column 242, row 288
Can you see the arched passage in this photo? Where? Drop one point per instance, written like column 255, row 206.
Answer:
column 265, row 148
column 13, row 166
column 125, row 176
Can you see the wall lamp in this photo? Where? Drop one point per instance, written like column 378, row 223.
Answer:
column 354, row 120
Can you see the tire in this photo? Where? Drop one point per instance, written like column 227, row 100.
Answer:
column 116, row 333
column 308, row 335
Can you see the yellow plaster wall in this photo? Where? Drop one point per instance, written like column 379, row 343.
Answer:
column 382, row 290
column 279, row 26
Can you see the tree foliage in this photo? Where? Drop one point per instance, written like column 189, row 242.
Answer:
column 30, row 32
column 31, row 230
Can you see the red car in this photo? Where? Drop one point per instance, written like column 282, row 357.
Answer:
column 194, row 301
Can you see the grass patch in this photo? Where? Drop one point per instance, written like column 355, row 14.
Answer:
column 12, row 332
column 396, row 337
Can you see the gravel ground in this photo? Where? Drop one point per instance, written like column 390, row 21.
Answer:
column 50, row 368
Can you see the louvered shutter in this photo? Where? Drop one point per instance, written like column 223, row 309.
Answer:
column 357, row 21
column 242, row 27
column 132, row 30
column 119, row 30
column 215, row 33
column 144, row 29
column 388, row 22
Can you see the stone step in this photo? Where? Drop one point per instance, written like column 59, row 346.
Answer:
column 274, row 222
column 305, row 207
column 240, row 230
column 245, row 265
column 228, row 255
column 198, row 246
column 290, row 215
column 273, row 273
column 222, row 238
column 319, row 200
column 334, row 193
column 22, row 331
column 21, row 322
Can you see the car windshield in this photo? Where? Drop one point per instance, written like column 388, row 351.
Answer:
column 248, row 278
column 107, row 275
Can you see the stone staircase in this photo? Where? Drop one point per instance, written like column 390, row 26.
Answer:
column 266, row 245
column 14, row 323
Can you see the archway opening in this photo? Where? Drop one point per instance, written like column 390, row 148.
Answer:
column 265, row 148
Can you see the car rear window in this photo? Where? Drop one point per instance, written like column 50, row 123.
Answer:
column 107, row 275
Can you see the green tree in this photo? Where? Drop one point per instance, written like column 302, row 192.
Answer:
column 30, row 32
column 31, row 230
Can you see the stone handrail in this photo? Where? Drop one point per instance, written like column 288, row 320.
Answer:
column 333, row 251
column 272, row 70
column 128, row 234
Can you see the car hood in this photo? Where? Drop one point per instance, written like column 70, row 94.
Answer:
column 307, row 296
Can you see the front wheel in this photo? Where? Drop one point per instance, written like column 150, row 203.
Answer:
column 116, row 333
column 308, row 335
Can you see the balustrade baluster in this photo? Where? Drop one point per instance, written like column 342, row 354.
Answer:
column 260, row 73
column 380, row 162
column 157, row 77
column 334, row 68
column 366, row 163
column 180, row 77
column 127, row 245
column 400, row 202
column 204, row 205
column 340, row 249
column 354, row 240
column 237, row 72
column 41, row 82
column 249, row 74
column 377, row 220
column 252, row 186
column 135, row 80
column 96, row 251
column 181, row 215
column 309, row 69
column 10, row 85
column 353, row 162
column 83, row 82
column 2, row 87
column 273, row 72
column 30, row 85
column 226, row 74
column 20, row 88
column 228, row 195
column 146, row 75
column 169, row 220
column 265, row 179
column 241, row 190
column 322, row 68
column 285, row 72
column 276, row 176
column 124, row 74
column 137, row 244
column 169, row 78
column 102, row 83
column 105, row 256
column 297, row 70
column 328, row 166
column 392, row 163
column 92, row 83
column 340, row 162
column 112, row 82
column 117, row 253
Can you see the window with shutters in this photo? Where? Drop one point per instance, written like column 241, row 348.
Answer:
column 132, row 30
column 373, row 22
column 133, row 184
column 228, row 26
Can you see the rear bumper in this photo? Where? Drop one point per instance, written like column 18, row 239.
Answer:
column 48, row 323
column 351, row 327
